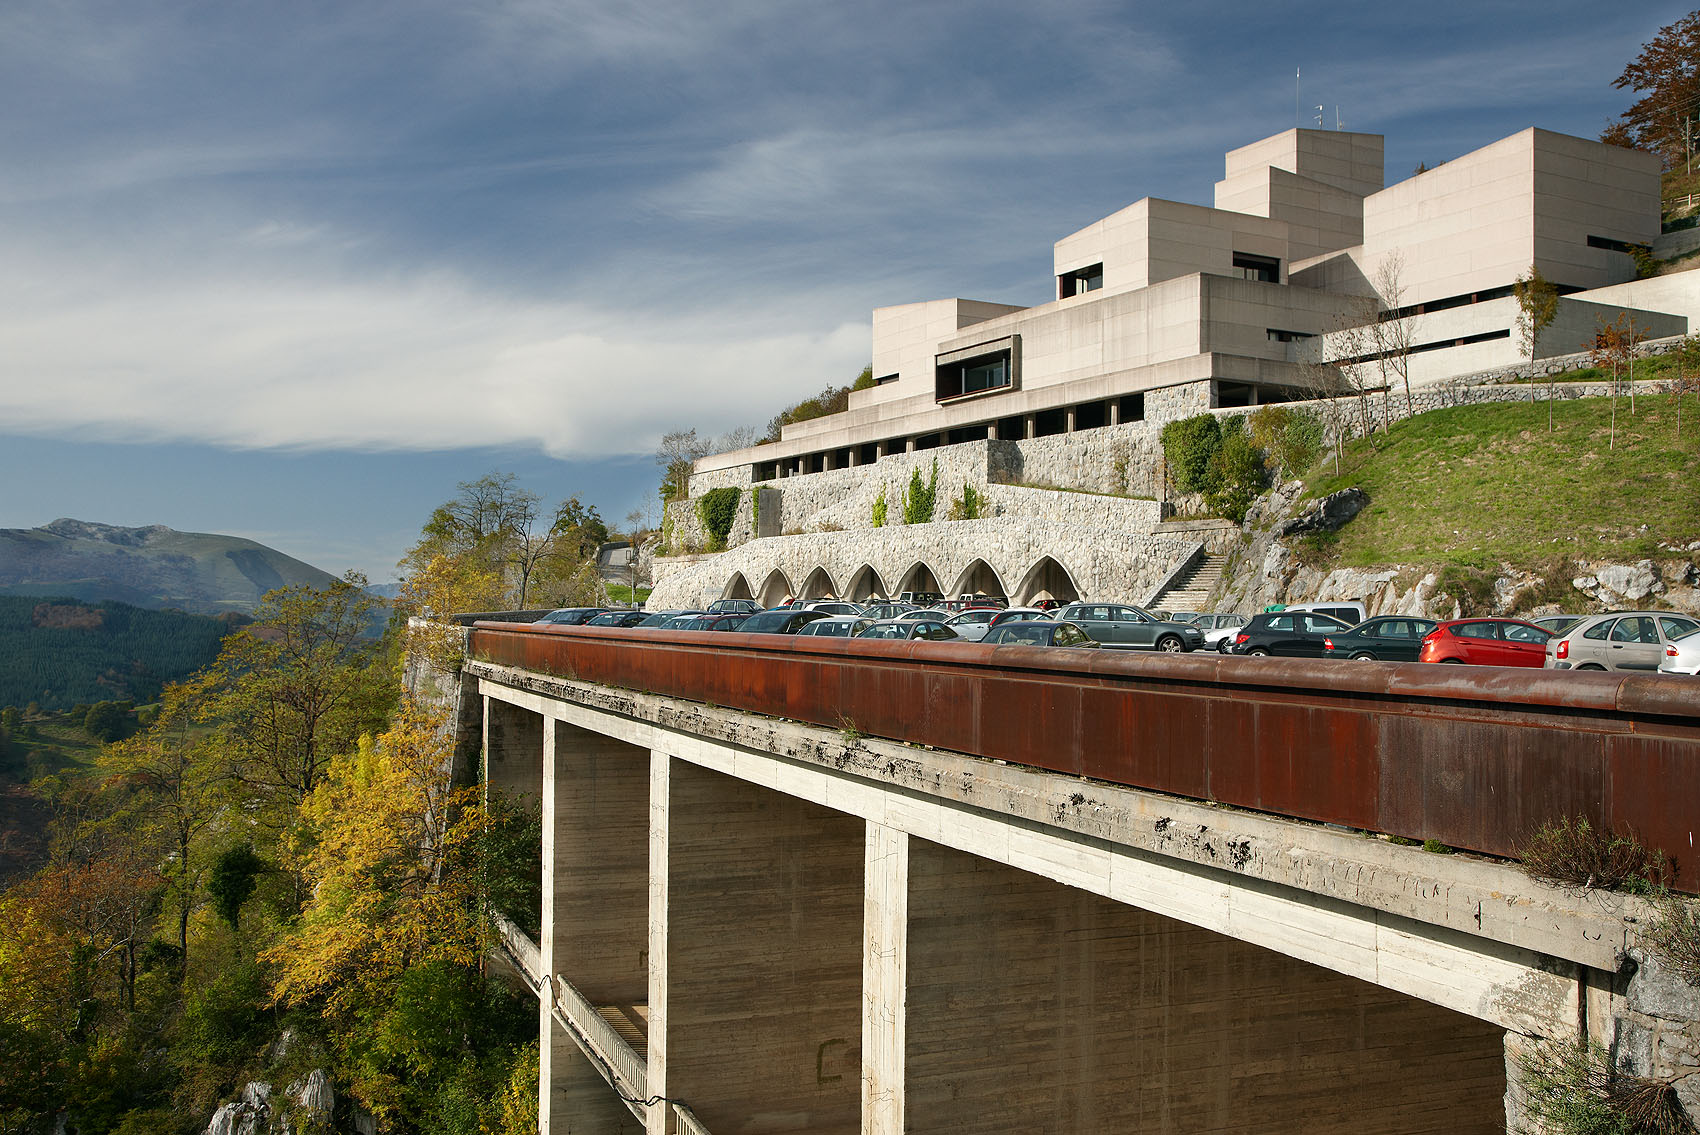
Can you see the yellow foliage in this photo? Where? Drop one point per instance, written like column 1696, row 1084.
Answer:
column 384, row 848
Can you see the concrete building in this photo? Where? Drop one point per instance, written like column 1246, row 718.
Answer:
column 1164, row 309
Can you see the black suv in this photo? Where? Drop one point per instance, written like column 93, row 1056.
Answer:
column 1290, row 634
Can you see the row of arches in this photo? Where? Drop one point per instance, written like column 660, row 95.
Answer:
column 1046, row 579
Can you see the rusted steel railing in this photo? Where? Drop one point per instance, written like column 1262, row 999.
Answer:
column 1475, row 757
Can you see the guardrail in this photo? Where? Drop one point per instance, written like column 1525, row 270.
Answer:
column 1475, row 757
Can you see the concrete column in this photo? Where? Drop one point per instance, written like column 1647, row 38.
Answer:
column 756, row 909
column 1069, row 420
column 829, row 460
column 595, row 910
column 881, row 449
column 1030, row 425
column 1115, row 411
column 1035, row 1006
column 909, row 445
column 513, row 751
column 885, row 941
column 991, row 431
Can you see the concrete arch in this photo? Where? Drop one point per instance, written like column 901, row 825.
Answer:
column 866, row 583
column 1046, row 579
column 737, row 588
column 919, row 577
column 818, row 585
column 774, row 589
column 978, row 578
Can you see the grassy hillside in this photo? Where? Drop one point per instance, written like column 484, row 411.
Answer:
column 147, row 567
column 58, row 653
column 1481, row 485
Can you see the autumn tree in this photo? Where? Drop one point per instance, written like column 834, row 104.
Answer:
column 1666, row 75
column 1537, row 307
column 677, row 454
column 298, row 686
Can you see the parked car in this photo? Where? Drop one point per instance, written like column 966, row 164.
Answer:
column 1351, row 612
column 920, row 598
column 1386, row 638
column 780, row 620
column 1018, row 615
column 1218, row 629
column 734, row 607
column 828, row 606
column 938, row 613
column 1040, row 632
column 1182, row 616
column 618, row 619
column 1623, row 640
column 569, row 616
column 909, row 628
column 1049, row 604
column 658, row 619
column 1126, row 627
column 974, row 623
column 885, row 610
column 1557, row 624
column 1285, row 634
column 837, row 626
column 1486, row 642
column 1682, row 655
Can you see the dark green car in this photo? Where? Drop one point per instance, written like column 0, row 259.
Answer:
column 1122, row 626
column 1387, row 638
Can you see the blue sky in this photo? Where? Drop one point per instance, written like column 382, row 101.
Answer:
column 292, row 271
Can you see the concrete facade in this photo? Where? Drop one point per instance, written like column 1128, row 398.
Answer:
column 845, row 934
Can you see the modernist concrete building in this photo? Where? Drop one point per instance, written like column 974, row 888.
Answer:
column 1164, row 309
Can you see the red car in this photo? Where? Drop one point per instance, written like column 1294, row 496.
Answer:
column 1486, row 642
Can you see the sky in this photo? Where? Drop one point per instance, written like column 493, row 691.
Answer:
column 293, row 271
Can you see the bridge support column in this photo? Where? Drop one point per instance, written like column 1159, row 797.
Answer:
column 595, row 910
column 756, row 906
column 885, row 943
column 513, row 752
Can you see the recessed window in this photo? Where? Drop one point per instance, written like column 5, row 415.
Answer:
column 1611, row 245
column 1276, row 335
column 881, row 381
column 1080, row 281
column 983, row 369
column 1264, row 268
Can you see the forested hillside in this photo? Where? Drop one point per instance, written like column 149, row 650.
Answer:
column 58, row 652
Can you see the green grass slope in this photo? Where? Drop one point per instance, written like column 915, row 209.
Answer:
column 1488, row 484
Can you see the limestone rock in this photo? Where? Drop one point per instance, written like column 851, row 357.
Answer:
column 1329, row 514
column 314, row 1095
column 1630, row 582
column 248, row 1114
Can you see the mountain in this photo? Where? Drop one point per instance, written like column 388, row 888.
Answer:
column 146, row 567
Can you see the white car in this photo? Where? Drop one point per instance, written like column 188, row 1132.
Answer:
column 973, row 624
column 1682, row 655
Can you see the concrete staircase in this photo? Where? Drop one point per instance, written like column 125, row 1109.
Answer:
column 1191, row 589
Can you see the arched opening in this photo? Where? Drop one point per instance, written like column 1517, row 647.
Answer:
column 1046, row 579
column 737, row 587
column 978, row 578
column 775, row 588
column 866, row 584
column 920, row 577
column 819, row 585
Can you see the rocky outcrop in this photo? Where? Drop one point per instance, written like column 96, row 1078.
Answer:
column 1329, row 514
column 307, row 1105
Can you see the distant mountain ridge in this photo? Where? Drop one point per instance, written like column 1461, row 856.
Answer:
column 153, row 566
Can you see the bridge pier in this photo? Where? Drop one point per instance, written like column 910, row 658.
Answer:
column 755, row 978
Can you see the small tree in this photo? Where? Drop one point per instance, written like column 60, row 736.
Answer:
column 677, row 454
column 1537, row 307
column 1188, row 446
column 1392, row 334
column 919, row 499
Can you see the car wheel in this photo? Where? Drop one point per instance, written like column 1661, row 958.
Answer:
column 1590, row 666
column 1453, row 661
column 1169, row 644
column 1258, row 652
column 1363, row 656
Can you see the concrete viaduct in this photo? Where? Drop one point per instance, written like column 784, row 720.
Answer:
column 882, row 887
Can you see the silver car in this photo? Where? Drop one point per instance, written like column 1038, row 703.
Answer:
column 1122, row 626
column 1624, row 640
column 1682, row 655
column 974, row 623
column 837, row 626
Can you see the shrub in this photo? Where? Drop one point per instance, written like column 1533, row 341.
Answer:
column 716, row 509
column 1290, row 438
column 755, row 510
column 232, row 880
column 880, row 509
column 1471, row 588
column 1234, row 474
column 971, row 505
column 1553, row 588
column 1574, row 853
column 1188, row 446
column 1572, row 1089
column 920, row 499
column 1674, row 934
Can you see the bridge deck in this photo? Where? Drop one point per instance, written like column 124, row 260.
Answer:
column 1474, row 757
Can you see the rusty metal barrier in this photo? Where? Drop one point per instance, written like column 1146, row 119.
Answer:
column 1476, row 757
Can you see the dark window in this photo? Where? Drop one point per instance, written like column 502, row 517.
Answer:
column 1611, row 245
column 1012, row 429
column 882, row 380
column 815, row 463
column 1233, row 394
column 1132, row 408
column 841, row 459
column 927, row 441
column 1091, row 415
column 966, row 433
column 972, row 376
column 1277, row 335
column 1265, row 268
column 1048, row 422
column 867, row 454
column 767, row 471
column 1080, row 281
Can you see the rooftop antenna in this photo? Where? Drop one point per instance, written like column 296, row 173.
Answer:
column 1339, row 123
column 1318, row 118
column 1298, row 115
